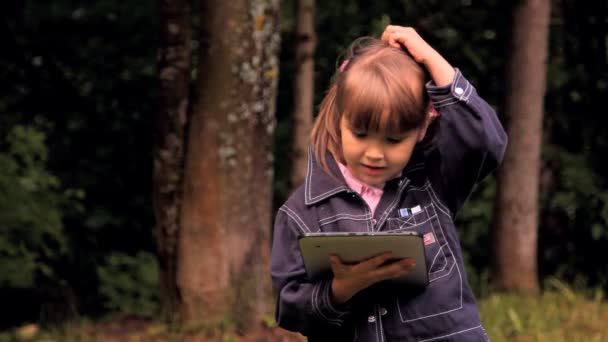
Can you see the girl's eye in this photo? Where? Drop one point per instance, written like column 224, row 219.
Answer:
column 360, row 134
column 393, row 140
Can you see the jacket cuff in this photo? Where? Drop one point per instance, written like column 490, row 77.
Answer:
column 458, row 91
column 323, row 307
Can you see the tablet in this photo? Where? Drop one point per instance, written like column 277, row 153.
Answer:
column 354, row 247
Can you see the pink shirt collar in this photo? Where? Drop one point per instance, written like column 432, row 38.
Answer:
column 370, row 194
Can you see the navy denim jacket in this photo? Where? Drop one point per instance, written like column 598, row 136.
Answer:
column 470, row 144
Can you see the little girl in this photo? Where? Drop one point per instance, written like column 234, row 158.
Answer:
column 390, row 151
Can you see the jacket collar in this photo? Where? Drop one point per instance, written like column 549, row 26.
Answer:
column 318, row 184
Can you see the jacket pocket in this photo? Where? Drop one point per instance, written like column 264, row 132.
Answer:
column 441, row 302
column 440, row 260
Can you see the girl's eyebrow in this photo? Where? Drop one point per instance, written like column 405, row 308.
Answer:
column 350, row 125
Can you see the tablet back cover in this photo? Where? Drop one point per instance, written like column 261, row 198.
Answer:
column 353, row 247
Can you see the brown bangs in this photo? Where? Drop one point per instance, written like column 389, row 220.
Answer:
column 382, row 98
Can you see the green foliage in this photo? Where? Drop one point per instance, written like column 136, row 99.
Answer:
column 31, row 205
column 573, row 222
column 129, row 284
column 576, row 190
column 474, row 224
column 84, row 74
column 574, row 217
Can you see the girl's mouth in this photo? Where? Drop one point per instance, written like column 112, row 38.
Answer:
column 372, row 170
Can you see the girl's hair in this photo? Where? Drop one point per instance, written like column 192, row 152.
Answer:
column 377, row 88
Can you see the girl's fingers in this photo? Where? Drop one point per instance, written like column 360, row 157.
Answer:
column 384, row 35
column 394, row 270
column 377, row 261
column 335, row 263
column 388, row 32
column 397, row 40
column 392, row 41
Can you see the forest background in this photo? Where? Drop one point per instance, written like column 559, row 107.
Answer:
column 81, row 88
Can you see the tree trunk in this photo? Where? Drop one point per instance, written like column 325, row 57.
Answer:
column 174, row 73
column 304, row 82
column 515, row 236
column 226, row 209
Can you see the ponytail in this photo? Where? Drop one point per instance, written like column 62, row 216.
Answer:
column 325, row 134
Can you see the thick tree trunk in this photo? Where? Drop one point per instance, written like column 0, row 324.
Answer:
column 174, row 66
column 516, row 228
column 304, row 82
column 226, row 211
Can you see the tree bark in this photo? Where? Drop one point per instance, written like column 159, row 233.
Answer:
column 226, row 210
column 304, row 81
column 174, row 67
column 516, row 229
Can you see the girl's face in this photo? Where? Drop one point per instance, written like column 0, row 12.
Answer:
column 375, row 157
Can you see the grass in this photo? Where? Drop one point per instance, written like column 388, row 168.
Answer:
column 558, row 314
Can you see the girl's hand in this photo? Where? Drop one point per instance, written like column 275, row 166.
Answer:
column 398, row 36
column 352, row 278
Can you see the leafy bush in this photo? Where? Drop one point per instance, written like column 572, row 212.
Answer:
column 574, row 219
column 31, row 204
column 474, row 224
column 129, row 284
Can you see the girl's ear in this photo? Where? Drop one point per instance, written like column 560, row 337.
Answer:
column 431, row 115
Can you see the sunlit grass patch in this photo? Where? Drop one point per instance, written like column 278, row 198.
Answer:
column 558, row 314
column 133, row 329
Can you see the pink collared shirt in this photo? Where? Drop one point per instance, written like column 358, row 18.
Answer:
column 370, row 194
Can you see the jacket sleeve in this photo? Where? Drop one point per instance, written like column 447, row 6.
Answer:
column 471, row 140
column 302, row 306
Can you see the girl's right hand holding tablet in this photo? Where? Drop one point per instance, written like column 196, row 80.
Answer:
column 352, row 278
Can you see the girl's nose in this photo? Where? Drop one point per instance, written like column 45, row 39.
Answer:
column 374, row 152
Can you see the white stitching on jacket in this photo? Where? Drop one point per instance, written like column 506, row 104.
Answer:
column 294, row 216
column 452, row 334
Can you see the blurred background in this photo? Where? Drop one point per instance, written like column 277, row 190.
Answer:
column 128, row 128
